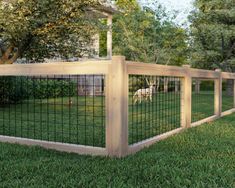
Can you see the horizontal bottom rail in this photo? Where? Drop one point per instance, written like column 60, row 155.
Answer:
column 228, row 112
column 71, row 148
column 206, row 120
column 146, row 143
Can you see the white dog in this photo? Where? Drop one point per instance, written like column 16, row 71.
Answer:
column 144, row 94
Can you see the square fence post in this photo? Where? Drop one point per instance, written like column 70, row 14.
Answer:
column 186, row 99
column 117, row 108
column 218, row 94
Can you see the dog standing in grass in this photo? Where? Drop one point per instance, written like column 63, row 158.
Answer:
column 144, row 94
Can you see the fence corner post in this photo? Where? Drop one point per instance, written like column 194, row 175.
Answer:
column 117, row 108
column 186, row 98
column 218, row 94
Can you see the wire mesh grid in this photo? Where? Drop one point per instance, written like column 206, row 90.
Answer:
column 154, row 106
column 66, row 108
column 227, row 95
column 202, row 99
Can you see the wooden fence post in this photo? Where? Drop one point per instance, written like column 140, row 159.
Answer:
column 117, row 108
column 186, row 99
column 218, row 94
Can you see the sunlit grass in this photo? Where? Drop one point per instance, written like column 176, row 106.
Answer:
column 199, row 157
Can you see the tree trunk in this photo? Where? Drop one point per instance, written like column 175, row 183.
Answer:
column 166, row 85
column 197, row 86
column 177, row 85
column 158, row 82
column 9, row 56
column 229, row 88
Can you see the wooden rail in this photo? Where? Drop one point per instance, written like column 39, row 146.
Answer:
column 63, row 68
column 117, row 72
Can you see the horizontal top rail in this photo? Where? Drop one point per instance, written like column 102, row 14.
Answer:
column 102, row 67
column 60, row 68
column 226, row 75
column 199, row 73
column 139, row 68
column 154, row 69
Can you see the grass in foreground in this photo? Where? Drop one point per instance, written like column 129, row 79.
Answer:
column 199, row 157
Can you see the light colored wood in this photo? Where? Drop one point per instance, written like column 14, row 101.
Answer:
column 138, row 68
column 63, row 68
column 227, row 75
column 228, row 112
column 198, row 73
column 218, row 95
column 146, row 143
column 109, row 37
column 117, row 108
column 187, row 98
column 206, row 120
column 135, row 68
column 71, row 148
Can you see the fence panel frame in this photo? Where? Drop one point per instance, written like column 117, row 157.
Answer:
column 64, row 68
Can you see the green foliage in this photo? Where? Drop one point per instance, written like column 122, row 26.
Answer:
column 11, row 90
column 212, row 31
column 44, row 29
column 148, row 35
column 207, row 86
column 42, row 89
column 15, row 89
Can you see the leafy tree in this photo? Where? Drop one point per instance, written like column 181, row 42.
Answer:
column 212, row 31
column 36, row 30
column 148, row 35
column 213, row 36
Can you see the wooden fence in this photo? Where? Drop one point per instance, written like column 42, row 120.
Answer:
column 117, row 72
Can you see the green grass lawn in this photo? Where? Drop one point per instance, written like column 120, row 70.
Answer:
column 203, row 104
column 83, row 122
column 227, row 102
column 55, row 120
column 199, row 157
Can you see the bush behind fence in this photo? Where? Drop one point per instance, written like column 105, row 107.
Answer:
column 15, row 89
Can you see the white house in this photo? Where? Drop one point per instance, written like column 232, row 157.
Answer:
column 94, row 85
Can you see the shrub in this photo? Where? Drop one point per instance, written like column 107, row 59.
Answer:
column 15, row 89
column 11, row 90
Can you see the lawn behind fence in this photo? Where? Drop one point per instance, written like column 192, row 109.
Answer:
column 84, row 121
column 199, row 157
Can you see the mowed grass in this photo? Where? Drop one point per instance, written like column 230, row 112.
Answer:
column 203, row 104
column 148, row 119
column 227, row 102
column 199, row 157
column 83, row 122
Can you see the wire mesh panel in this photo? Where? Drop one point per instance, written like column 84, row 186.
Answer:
column 154, row 106
column 227, row 95
column 66, row 109
column 202, row 99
